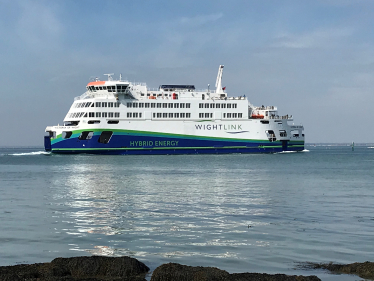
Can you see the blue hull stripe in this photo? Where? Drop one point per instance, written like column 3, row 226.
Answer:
column 122, row 143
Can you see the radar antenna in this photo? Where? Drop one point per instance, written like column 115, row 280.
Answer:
column 219, row 80
column 110, row 76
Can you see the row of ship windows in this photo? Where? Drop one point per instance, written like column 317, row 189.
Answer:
column 120, row 88
column 96, row 104
column 154, row 105
column 225, row 115
column 92, row 114
column 155, row 115
column 171, row 115
column 158, row 105
column 218, row 105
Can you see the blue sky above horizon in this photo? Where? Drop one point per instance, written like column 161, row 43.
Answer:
column 312, row 59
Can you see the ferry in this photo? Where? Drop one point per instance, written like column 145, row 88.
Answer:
column 122, row 117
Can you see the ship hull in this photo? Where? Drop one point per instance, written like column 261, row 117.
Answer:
column 126, row 142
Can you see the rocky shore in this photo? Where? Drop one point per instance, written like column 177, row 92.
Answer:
column 95, row 268
column 362, row 269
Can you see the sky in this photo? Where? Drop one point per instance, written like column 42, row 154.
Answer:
column 312, row 59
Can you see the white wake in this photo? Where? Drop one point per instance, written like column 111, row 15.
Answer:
column 31, row 153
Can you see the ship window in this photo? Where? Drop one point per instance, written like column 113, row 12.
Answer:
column 93, row 104
column 110, row 104
column 228, row 115
column 86, row 135
column 140, row 115
column 129, row 114
column 135, row 115
column 110, row 114
column 201, row 115
column 218, row 105
column 206, row 115
column 146, row 105
column 223, row 105
column 188, row 105
column 141, row 104
column 176, row 105
column 164, row 115
column 283, row 133
column 88, row 104
column 112, row 121
column 109, row 88
column 182, row 105
column 201, row 105
column 100, row 87
column 158, row 105
column 116, row 104
column 154, row 115
column 105, row 136
column 135, row 105
column 264, row 122
column 164, row 105
column 158, row 115
column 212, row 105
column 176, row 115
column 116, row 114
column 96, row 88
column 153, row 105
column 188, row 115
column 183, row 115
column 98, row 104
column 98, row 114
column 240, row 115
column 93, row 121
column 171, row 115
column 129, row 104
column 207, row 105
column 234, row 105
column 104, row 104
column 170, row 105
column 104, row 114
column 85, row 115
column 91, row 114
column 81, row 114
column 224, row 115
column 66, row 135
column 234, row 115
column 104, row 87
column 229, row 105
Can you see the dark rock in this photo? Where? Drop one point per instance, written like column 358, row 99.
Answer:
column 78, row 268
column 362, row 269
column 270, row 277
column 174, row 271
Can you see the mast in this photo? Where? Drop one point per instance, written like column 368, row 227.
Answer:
column 219, row 80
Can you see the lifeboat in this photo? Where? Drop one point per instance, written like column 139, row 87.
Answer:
column 257, row 116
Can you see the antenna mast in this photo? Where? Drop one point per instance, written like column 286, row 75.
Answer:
column 110, row 76
column 219, row 80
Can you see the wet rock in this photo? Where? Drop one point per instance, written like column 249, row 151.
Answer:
column 270, row 277
column 174, row 271
column 78, row 268
column 362, row 269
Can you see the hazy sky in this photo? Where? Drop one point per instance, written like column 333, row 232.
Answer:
column 313, row 59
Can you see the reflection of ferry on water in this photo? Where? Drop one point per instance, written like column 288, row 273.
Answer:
column 121, row 117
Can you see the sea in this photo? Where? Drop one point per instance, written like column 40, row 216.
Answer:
column 267, row 213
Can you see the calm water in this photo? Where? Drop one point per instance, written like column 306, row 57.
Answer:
column 241, row 213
